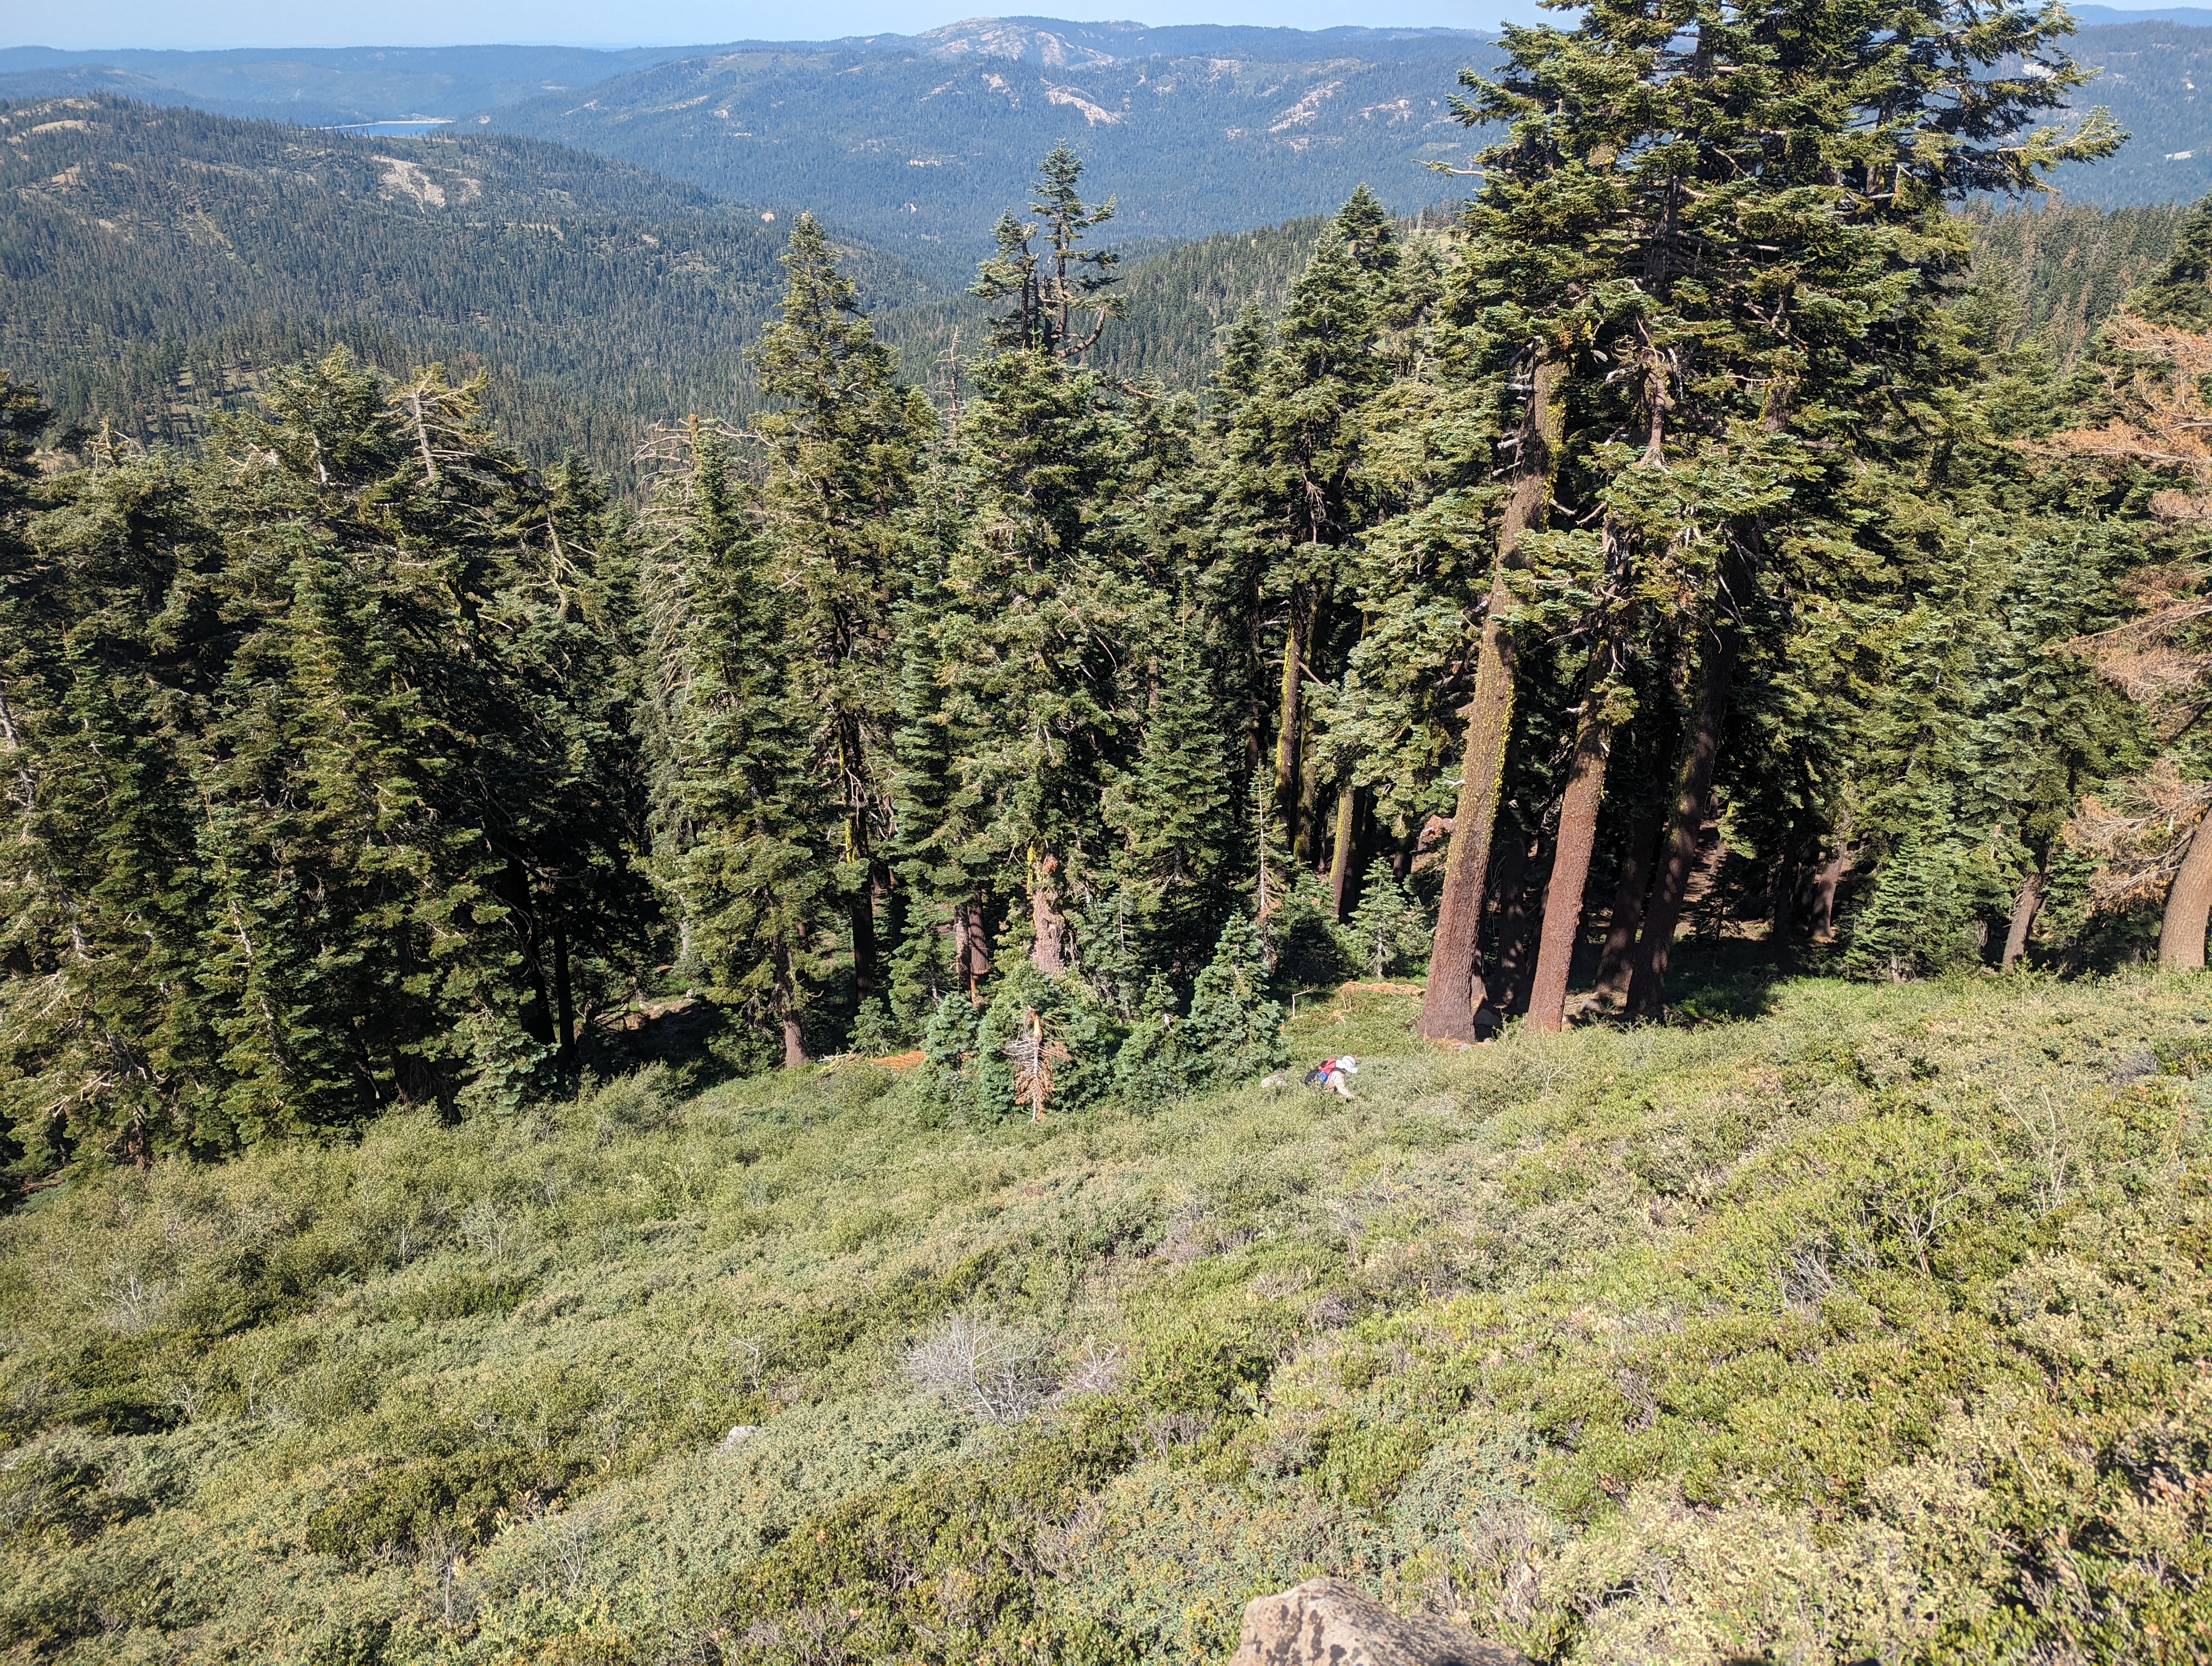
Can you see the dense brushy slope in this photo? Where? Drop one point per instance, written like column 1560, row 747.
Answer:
column 1874, row 1327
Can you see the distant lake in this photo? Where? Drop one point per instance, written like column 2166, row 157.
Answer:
column 411, row 124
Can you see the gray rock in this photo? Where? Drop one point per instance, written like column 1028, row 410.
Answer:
column 1328, row 1622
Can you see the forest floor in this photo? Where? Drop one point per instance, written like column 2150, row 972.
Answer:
column 1835, row 1322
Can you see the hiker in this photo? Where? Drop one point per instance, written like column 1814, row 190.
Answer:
column 1331, row 1072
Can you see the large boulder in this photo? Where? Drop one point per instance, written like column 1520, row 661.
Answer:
column 1328, row 1622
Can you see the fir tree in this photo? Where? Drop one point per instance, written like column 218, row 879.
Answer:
column 842, row 450
column 1385, row 925
column 1235, row 1029
column 1051, row 290
column 1626, row 254
column 747, row 854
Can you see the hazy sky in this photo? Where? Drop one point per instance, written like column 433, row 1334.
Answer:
column 106, row 23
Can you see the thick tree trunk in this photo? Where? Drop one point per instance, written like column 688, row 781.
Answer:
column 1520, row 871
column 786, row 1009
column 971, row 948
column 1823, row 911
column 1048, row 947
column 861, row 911
column 1339, row 859
column 2025, row 906
column 1617, row 960
column 1662, row 912
column 1781, row 914
column 1454, row 991
column 1447, row 1005
column 2181, row 938
column 1570, row 860
column 1289, row 715
column 564, row 1001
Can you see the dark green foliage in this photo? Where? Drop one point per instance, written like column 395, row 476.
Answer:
column 1386, row 927
column 1234, row 1033
column 745, row 826
column 319, row 801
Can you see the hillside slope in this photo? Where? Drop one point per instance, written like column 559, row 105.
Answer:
column 1872, row 1328
column 2149, row 75
column 920, row 149
column 150, row 259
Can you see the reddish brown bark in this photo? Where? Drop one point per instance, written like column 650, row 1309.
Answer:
column 1570, row 860
column 1448, row 1004
column 786, row 1010
column 1662, row 911
column 1048, row 947
column 971, row 947
column 2188, row 906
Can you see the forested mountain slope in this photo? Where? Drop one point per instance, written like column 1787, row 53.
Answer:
column 2064, row 268
column 913, row 140
column 1209, row 128
column 1748, row 661
column 2149, row 75
column 152, row 260
column 156, row 261
column 921, row 147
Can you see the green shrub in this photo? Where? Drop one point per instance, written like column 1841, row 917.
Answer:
column 1867, row 1329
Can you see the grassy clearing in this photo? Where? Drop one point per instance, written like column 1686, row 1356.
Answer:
column 1872, row 1328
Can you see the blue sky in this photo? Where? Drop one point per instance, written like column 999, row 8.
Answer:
column 111, row 23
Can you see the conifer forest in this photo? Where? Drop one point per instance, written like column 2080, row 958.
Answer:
column 1714, row 616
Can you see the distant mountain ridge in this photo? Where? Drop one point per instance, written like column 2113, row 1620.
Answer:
column 2156, row 79
column 322, row 88
column 918, row 143
column 335, row 86
column 153, row 262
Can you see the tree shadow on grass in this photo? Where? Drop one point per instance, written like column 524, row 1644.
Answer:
column 1716, row 981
